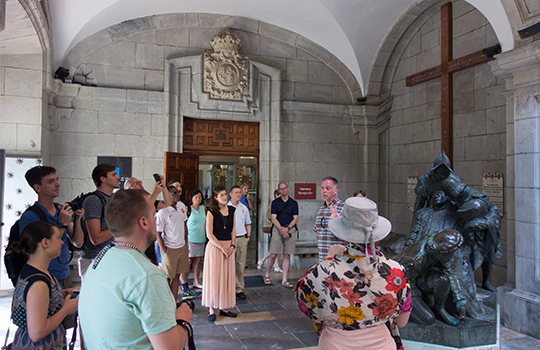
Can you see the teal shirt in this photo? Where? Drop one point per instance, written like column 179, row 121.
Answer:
column 196, row 225
column 125, row 298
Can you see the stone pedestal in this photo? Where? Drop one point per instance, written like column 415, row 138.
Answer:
column 472, row 333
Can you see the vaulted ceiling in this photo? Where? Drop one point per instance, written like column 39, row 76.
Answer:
column 353, row 30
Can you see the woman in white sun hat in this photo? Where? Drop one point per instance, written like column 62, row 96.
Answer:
column 355, row 290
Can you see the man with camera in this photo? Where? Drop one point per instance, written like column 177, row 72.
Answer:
column 125, row 302
column 44, row 182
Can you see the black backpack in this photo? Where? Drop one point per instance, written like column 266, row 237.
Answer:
column 15, row 261
column 77, row 204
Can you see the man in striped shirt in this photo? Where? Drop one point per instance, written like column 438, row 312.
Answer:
column 331, row 207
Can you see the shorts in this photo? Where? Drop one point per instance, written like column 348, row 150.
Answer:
column 196, row 249
column 175, row 261
column 278, row 243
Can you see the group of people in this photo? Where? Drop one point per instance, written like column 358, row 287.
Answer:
column 351, row 288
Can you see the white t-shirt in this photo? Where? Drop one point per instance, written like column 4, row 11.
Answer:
column 170, row 222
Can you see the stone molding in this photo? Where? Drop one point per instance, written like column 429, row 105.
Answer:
column 520, row 67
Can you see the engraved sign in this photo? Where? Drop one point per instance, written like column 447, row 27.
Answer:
column 305, row 191
column 225, row 70
column 493, row 186
column 411, row 196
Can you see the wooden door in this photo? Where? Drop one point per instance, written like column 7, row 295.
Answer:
column 183, row 167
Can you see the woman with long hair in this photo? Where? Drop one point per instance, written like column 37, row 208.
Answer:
column 38, row 305
column 196, row 234
column 219, row 271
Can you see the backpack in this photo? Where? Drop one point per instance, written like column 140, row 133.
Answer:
column 15, row 261
column 77, row 204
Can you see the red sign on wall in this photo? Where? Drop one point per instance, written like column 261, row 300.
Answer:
column 305, row 191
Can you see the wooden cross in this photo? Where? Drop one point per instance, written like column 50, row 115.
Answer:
column 445, row 70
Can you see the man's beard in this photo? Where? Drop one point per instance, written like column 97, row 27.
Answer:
column 150, row 239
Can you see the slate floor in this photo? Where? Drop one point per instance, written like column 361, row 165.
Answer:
column 268, row 319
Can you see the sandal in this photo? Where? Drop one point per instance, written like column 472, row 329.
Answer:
column 287, row 284
column 278, row 270
column 260, row 265
column 267, row 281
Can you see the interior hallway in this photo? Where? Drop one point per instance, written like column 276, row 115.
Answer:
column 268, row 319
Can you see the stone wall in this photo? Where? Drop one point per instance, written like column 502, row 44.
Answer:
column 24, row 122
column 479, row 115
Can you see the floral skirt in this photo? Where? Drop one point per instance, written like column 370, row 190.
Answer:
column 54, row 341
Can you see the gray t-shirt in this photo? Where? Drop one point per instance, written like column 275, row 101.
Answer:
column 93, row 209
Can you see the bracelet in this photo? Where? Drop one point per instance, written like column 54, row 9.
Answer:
column 186, row 325
column 232, row 245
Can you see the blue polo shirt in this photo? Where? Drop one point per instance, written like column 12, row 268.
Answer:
column 59, row 267
column 277, row 206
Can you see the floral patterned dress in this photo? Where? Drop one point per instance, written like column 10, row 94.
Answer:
column 353, row 292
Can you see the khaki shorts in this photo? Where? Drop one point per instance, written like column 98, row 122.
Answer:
column 278, row 243
column 175, row 261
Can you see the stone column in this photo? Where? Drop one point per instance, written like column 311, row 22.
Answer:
column 520, row 297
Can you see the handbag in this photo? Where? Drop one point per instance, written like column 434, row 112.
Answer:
column 267, row 228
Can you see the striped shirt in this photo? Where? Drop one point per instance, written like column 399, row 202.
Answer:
column 325, row 238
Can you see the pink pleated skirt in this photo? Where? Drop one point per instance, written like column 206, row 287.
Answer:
column 218, row 279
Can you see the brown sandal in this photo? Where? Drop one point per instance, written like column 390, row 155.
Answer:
column 287, row 284
column 267, row 281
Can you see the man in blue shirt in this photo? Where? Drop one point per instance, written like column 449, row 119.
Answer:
column 284, row 215
column 246, row 197
column 44, row 181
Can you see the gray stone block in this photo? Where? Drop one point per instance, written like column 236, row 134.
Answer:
column 434, row 90
column 277, row 33
column 469, row 22
column 160, row 125
column 200, row 37
column 287, row 91
column 403, row 101
column 149, row 56
column 8, row 136
column 297, row 71
column 118, row 54
column 21, row 82
column 2, row 80
column 24, row 61
column 143, row 37
column 176, row 20
column 313, row 49
column 463, row 103
column 494, row 96
column 321, row 74
column 80, row 144
column 153, row 80
column 116, row 123
column 226, row 21
column 431, row 39
column 483, row 77
column 309, row 172
column 496, row 120
column 483, row 147
column 173, row 37
column 414, row 47
column 312, row 132
column 306, row 56
column 81, row 120
column 20, row 110
column 276, row 48
column 406, row 67
column 115, row 77
column 428, row 59
column 73, row 167
column 110, row 99
column 296, row 151
column 143, row 124
column 139, row 146
column 341, row 96
column 469, row 42
column 421, row 132
column 313, row 93
column 526, row 269
column 463, row 81
column 87, row 47
column 131, row 26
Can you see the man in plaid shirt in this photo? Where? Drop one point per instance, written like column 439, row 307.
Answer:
column 331, row 208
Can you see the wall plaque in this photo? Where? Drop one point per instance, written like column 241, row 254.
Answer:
column 305, row 191
column 493, row 186
column 411, row 196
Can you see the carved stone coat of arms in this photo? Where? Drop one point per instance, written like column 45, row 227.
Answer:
column 226, row 72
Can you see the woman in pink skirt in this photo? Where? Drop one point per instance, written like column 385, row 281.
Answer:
column 218, row 273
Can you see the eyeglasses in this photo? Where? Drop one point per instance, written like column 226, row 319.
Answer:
column 283, row 188
column 136, row 183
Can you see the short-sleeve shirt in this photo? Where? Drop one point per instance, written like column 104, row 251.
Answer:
column 242, row 219
column 59, row 267
column 351, row 292
column 325, row 238
column 223, row 225
column 244, row 201
column 277, row 206
column 93, row 209
column 170, row 222
column 123, row 300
